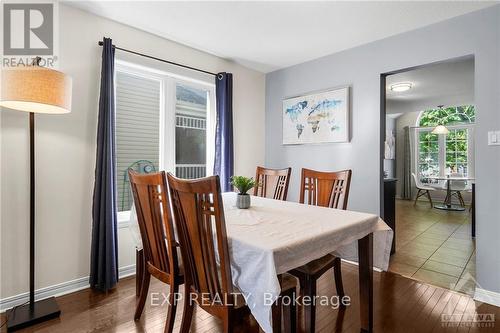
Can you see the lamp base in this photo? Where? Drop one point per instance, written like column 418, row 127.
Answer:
column 27, row 315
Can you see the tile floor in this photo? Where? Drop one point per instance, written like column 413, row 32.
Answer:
column 434, row 246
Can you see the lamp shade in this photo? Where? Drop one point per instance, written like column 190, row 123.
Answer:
column 440, row 129
column 36, row 89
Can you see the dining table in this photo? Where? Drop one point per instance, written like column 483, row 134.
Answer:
column 272, row 237
column 447, row 204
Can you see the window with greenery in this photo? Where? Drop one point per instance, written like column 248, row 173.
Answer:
column 428, row 159
column 440, row 155
column 457, row 151
column 465, row 114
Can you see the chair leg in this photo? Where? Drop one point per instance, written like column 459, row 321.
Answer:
column 455, row 193
column 187, row 314
column 310, row 308
column 290, row 313
column 418, row 196
column 430, row 198
column 447, row 198
column 172, row 306
column 228, row 324
column 143, row 295
column 337, row 272
column 139, row 271
column 461, row 198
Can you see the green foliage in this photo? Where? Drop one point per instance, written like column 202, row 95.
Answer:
column 243, row 184
column 456, row 149
column 456, row 139
column 465, row 114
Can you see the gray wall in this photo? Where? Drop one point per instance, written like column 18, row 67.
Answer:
column 477, row 33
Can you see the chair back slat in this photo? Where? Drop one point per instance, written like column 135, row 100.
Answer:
column 326, row 189
column 155, row 223
column 272, row 183
column 199, row 217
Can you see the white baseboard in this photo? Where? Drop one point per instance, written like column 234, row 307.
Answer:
column 58, row 289
column 486, row 296
column 125, row 271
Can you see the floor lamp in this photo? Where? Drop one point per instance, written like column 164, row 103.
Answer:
column 34, row 89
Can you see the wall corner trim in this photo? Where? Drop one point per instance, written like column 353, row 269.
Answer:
column 486, row 296
column 58, row 289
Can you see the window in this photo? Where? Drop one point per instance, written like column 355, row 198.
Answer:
column 163, row 122
column 190, row 132
column 137, row 130
column 428, row 158
column 440, row 155
column 457, row 148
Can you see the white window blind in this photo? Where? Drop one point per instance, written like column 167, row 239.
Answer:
column 137, row 130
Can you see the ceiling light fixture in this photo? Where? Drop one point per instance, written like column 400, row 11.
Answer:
column 402, row 86
column 440, row 129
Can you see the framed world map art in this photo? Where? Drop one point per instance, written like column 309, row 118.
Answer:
column 321, row 117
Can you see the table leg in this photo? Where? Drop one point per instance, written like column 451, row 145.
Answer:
column 277, row 311
column 473, row 209
column 448, row 194
column 365, row 256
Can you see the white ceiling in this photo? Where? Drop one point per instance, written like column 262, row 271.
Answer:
column 270, row 35
column 449, row 83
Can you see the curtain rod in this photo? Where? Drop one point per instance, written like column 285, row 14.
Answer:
column 162, row 60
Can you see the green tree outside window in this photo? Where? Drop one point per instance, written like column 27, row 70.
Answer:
column 458, row 115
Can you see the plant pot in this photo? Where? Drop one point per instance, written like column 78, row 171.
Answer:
column 243, row 201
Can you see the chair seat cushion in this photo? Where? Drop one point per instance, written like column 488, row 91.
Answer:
column 426, row 188
column 315, row 267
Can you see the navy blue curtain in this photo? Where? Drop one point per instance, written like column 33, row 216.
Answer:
column 224, row 157
column 104, row 248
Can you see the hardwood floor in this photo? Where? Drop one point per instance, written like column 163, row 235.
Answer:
column 400, row 305
column 434, row 246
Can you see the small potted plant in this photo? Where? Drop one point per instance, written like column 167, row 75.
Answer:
column 243, row 184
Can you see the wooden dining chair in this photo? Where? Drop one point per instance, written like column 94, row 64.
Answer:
column 199, row 216
column 161, row 251
column 272, row 183
column 326, row 189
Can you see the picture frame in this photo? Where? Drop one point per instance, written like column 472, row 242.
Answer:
column 319, row 117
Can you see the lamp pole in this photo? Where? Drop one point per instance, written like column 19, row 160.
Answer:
column 33, row 312
column 32, row 210
column 36, row 62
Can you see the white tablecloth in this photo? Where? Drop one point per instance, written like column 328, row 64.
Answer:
column 273, row 237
